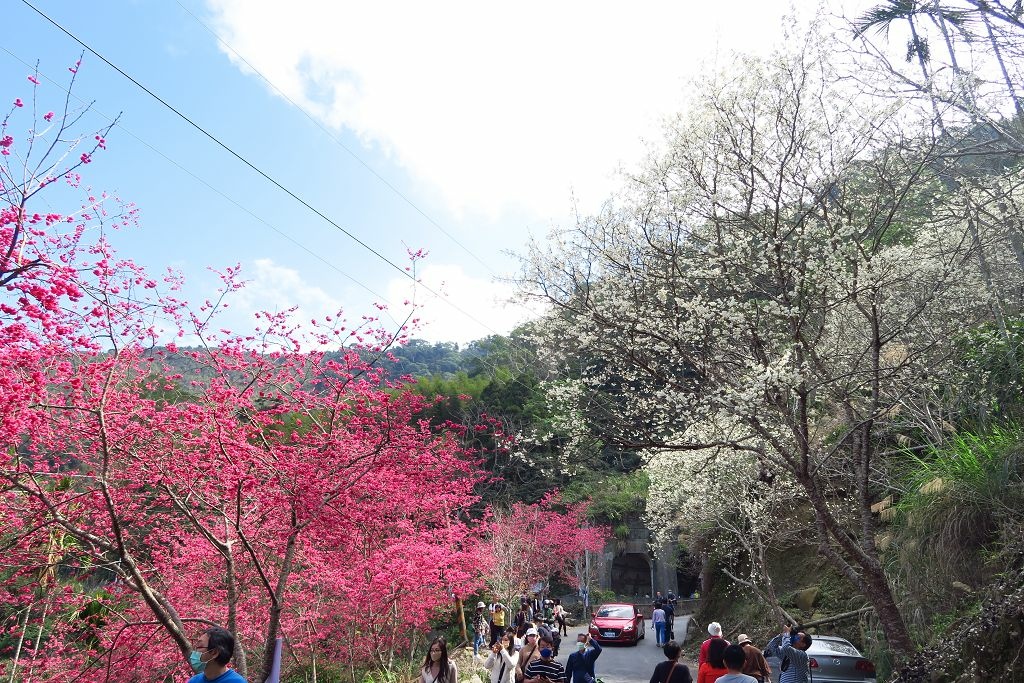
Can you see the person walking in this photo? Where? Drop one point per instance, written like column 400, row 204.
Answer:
column 560, row 616
column 521, row 620
column 497, row 622
column 670, row 620
column 715, row 631
column 735, row 657
column 579, row 668
column 794, row 648
column 658, row 620
column 754, row 664
column 502, row 660
column 529, row 652
column 552, row 637
column 714, row 667
column 437, row 668
column 481, row 628
column 671, row 670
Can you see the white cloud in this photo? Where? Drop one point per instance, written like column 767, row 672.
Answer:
column 495, row 105
column 275, row 288
column 487, row 303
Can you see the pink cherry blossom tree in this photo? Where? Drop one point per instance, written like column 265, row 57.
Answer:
column 282, row 485
column 535, row 543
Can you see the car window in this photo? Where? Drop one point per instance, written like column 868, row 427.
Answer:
column 616, row 612
column 840, row 647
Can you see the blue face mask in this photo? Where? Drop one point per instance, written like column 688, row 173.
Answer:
column 195, row 660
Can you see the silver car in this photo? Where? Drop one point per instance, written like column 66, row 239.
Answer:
column 833, row 660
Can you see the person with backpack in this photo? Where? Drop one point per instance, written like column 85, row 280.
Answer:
column 671, row 670
column 792, row 651
column 670, row 620
column 551, row 636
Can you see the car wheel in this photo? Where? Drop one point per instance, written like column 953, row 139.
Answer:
column 643, row 634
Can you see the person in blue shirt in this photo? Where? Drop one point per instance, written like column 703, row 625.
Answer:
column 579, row 668
column 210, row 656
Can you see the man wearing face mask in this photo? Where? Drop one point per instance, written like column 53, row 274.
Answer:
column 210, row 657
column 579, row 668
column 545, row 669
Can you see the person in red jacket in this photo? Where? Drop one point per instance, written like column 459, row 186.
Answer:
column 714, row 668
column 715, row 631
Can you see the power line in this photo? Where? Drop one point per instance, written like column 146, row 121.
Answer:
column 336, row 139
column 210, row 187
column 493, row 367
column 213, row 138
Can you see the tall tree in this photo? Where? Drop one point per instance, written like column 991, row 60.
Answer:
column 777, row 283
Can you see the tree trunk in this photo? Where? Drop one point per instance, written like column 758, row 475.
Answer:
column 861, row 565
column 277, row 606
column 241, row 664
column 462, row 619
column 1018, row 107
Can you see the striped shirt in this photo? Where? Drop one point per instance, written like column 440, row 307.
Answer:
column 798, row 670
column 551, row 669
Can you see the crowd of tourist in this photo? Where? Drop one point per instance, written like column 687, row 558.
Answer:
column 720, row 661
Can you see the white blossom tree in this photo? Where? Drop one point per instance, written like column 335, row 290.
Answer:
column 788, row 266
column 726, row 501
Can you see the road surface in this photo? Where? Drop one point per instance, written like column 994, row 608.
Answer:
column 626, row 663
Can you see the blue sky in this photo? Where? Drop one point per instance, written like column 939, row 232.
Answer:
column 492, row 123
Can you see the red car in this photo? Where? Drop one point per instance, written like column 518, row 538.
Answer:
column 617, row 623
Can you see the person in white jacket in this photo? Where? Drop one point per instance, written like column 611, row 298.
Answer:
column 503, row 660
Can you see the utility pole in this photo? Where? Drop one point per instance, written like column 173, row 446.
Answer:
column 586, row 583
column 653, row 592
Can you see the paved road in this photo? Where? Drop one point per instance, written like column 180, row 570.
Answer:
column 628, row 664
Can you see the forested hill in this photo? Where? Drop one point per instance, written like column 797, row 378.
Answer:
column 420, row 358
column 500, row 379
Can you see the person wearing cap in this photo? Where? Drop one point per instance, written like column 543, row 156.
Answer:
column 528, row 653
column 481, row 628
column 755, row 664
column 545, row 669
column 715, row 631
